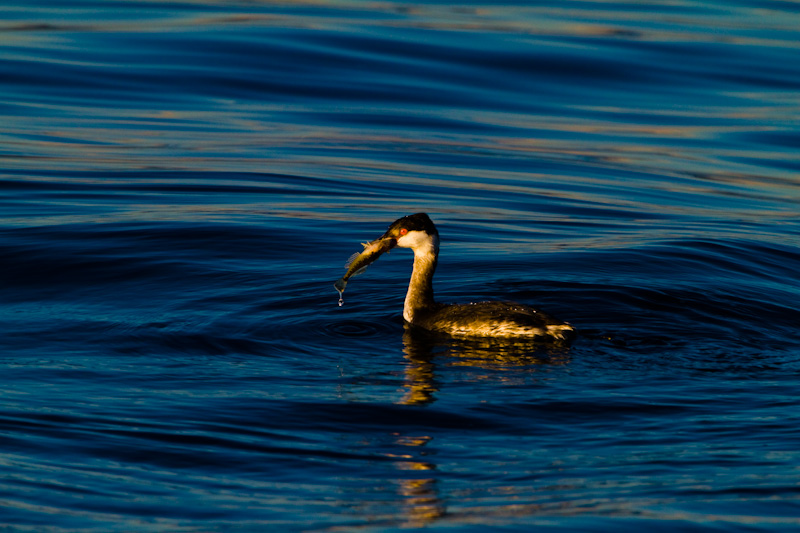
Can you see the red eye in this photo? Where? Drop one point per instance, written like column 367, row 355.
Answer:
column 403, row 231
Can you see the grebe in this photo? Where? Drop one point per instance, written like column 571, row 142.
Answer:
column 482, row 319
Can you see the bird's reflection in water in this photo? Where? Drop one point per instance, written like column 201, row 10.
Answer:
column 423, row 503
column 422, row 349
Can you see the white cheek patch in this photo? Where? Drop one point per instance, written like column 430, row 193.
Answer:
column 414, row 239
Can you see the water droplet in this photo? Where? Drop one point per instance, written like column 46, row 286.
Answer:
column 339, row 286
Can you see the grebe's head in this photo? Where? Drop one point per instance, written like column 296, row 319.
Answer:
column 413, row 231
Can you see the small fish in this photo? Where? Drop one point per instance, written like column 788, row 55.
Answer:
column 359, row 262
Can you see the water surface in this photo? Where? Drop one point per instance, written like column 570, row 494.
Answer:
column 181, row 184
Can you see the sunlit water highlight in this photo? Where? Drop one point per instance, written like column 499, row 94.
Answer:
column 181, row 184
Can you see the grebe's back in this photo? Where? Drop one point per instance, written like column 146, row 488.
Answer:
column 493, row 319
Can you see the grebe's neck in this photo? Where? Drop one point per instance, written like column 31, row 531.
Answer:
column 420, row 288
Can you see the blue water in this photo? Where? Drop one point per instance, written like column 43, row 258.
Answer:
column 182, row 182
